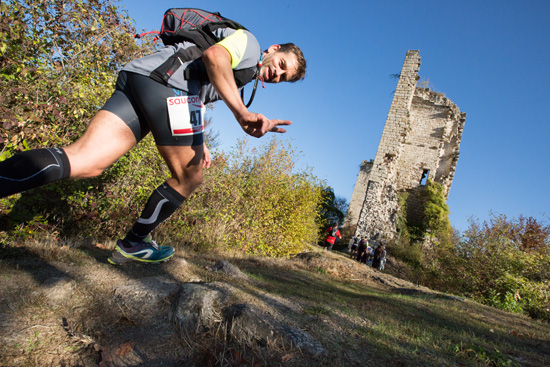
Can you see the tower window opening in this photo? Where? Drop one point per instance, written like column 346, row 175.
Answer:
column 424, row 178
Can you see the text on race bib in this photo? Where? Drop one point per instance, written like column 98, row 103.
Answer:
column 186, row 115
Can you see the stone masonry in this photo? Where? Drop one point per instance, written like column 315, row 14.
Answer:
column 420, row 140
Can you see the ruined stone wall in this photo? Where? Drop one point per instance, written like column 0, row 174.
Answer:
column 430, row 147
column 358, row 196
column 433, row 140
column 380, row 205
column 421, row 137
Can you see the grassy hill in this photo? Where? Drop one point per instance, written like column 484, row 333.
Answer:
column 60, row 307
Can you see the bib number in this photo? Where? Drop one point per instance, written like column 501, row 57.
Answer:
column 186, row 115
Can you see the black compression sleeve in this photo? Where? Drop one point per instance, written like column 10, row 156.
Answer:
column 33, row 168
column 161, row 204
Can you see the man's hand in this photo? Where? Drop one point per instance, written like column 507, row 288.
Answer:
column 206, row 159
column 257, row 125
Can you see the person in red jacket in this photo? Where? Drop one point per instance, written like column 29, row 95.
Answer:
column 333, row 232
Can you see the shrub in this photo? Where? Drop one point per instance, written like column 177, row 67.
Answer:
column 497, row 267
column 252, row 200
column 58, row 64
column 503, row 263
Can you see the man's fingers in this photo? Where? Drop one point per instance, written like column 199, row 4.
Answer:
column 262, row 125
column 281, row 122
column 278, row 130
column 276, row 123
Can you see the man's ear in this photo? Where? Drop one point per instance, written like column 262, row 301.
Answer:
column 273, row 48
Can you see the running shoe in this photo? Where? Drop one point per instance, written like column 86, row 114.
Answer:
column 146, row 251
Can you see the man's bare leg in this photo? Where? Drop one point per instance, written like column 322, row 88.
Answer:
column 106, row 139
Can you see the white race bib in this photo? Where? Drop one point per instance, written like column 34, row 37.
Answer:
column 186, row 115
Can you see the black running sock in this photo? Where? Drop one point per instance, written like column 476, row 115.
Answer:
column 161, row 204
column 33, row 168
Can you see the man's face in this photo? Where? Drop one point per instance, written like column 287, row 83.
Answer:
column 278, row 66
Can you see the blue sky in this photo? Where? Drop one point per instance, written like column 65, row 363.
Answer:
column 489, row 57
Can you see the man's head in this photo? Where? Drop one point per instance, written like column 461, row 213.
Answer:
column 283, row 63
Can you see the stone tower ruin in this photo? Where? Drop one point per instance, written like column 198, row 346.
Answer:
column 420, row 141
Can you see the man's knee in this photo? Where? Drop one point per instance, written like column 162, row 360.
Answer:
column 82, row 167
column 186, row 180
column 193, row 176
column 88, row 172
column 185, row 164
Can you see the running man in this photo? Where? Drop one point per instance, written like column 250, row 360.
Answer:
column 173, row 114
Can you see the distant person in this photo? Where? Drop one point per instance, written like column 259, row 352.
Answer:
column 361, row 248
column 354, row 245
column 379, row 260
column 369, row 253
column 365, row 255
column 383, row 253
column 333, row 234
column 350, row 243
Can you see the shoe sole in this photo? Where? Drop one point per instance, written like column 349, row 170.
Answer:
column 119, row 258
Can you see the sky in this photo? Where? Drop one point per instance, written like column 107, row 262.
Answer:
column 491, row 58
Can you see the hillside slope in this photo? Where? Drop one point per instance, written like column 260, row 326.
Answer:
column 66, row 306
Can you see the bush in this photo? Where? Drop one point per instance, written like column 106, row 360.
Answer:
column 58, row 64
column 252, row 200
column 503, row 263
column 499, row 265
column 536, row 299
column 410, row 253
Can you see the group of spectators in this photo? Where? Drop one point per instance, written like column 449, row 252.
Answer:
column 360, row 249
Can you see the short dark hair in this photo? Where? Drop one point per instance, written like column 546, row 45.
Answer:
column 301, row 71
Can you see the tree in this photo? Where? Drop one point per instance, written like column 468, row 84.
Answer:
column 58, row 65
column 504, row 263
column 436, row 214
column 332, row 208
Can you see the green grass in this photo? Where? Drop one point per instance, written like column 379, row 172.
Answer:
column 406, row 330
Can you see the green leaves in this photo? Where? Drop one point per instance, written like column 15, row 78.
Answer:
column 501, row 262
column 436, row 212
column 52, row 49
column 331, row 209
column 252, row 200
column 55, row 74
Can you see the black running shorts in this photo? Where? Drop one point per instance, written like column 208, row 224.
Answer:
column 141, row 103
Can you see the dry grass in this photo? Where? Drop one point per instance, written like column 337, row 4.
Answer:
column 360, row 316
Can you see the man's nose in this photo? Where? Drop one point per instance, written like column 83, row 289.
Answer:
column 279, row 74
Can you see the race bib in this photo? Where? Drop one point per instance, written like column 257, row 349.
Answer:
column 186, row 115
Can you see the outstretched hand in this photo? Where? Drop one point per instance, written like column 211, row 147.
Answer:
column 257, row 125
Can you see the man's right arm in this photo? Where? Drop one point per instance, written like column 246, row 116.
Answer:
column 218, row 66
